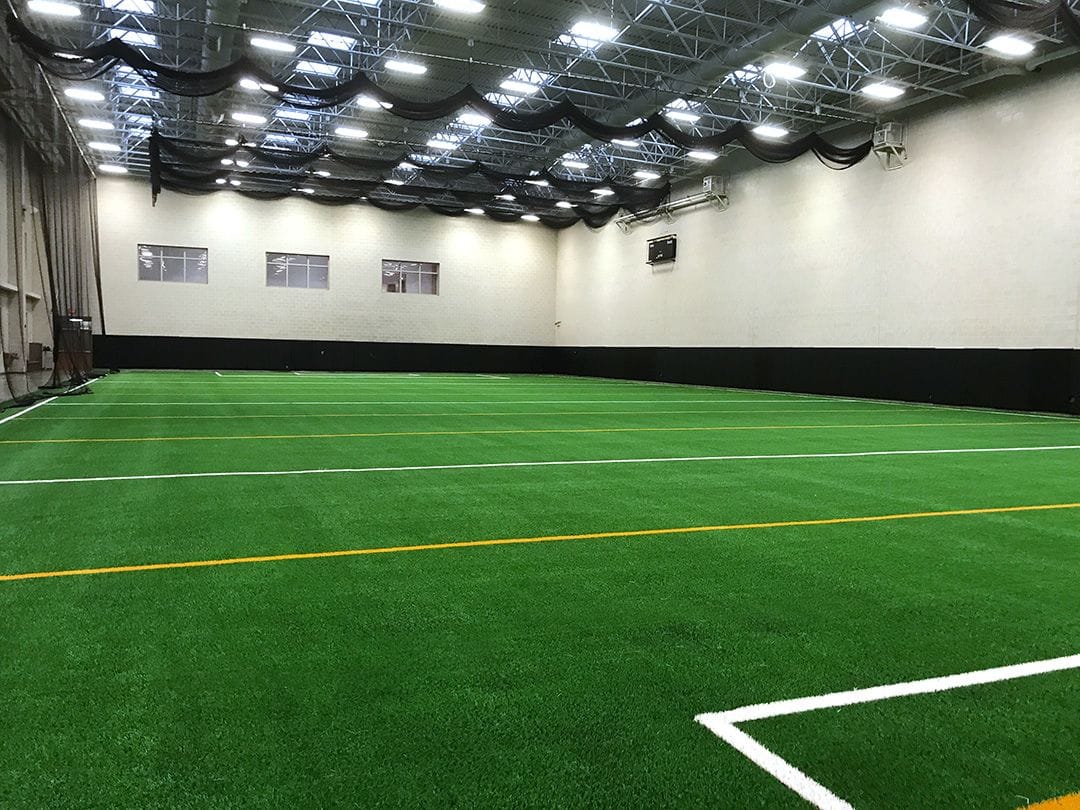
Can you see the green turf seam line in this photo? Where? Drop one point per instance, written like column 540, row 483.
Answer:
column 512, row 541
column 496, row 432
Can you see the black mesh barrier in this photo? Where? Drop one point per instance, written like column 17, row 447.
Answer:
column 196, row 169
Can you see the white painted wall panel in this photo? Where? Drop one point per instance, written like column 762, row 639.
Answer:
column 497, row 281
column 975, row 243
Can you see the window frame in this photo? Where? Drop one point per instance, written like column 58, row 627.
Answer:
column 420, row 273
column 180, row 252
column 307, row 264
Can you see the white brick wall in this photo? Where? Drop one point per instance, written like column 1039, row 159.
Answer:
column 497, row 281
column 974, row 244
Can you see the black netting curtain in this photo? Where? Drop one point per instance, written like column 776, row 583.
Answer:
column 93, row 61
column 65, row 199
column 196, row 169
column 53, row 254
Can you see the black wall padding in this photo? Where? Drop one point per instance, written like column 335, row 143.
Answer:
column 249, row 354
column 1016, row 379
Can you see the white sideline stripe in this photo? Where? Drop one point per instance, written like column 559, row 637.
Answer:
column 516, row 464
column 722, row 724
column 7, row 419
column 38, row 404
column 778, row 767
column 218, row 373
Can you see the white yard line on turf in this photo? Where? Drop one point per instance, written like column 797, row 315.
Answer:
column 523, row 464
column 723, row 724
column 27, row 410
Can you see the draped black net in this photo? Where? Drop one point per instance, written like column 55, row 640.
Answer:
column 93, row 61
column 195, row 168
column 1028, row 16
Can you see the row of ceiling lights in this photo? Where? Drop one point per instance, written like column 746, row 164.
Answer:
column 584, row 34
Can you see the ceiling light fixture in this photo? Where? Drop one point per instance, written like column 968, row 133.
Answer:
column 627, row 144
column 647, row 175
column 101, row 146
column 785, row 70
column 701, row 154
column 94, row 123
column 269, row 44
column 474, row 119
column 293, row 115
column 683, row 115
column 368, row 103
column 769, row 131
column 519, row 87
column 111, row 168
column 252, row 84
column 900, row 17
column 530, row 217
column 248, row 118
column 54, row 8
column 82, row 94
column 883, row 91
column 401, row 66
column 351, row 132
column 1008, row 45
column 464, row 6
column 593, row 32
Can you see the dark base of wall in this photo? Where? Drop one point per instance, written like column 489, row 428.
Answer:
column 1014, row 379
column 248, row 354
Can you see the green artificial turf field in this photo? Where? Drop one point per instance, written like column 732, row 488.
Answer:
column 567, row 670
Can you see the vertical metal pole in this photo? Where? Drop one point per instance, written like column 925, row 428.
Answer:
column 22, row 262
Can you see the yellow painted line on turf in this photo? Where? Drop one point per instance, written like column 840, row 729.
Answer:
column 1070, row 802
column 514, row 541
column 495, row 432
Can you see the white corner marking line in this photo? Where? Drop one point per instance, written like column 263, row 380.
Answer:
column 26, row 410
column 7, row 419
column 524, row 464
column 722, row 724
column 219, row 374
column 776, row 766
